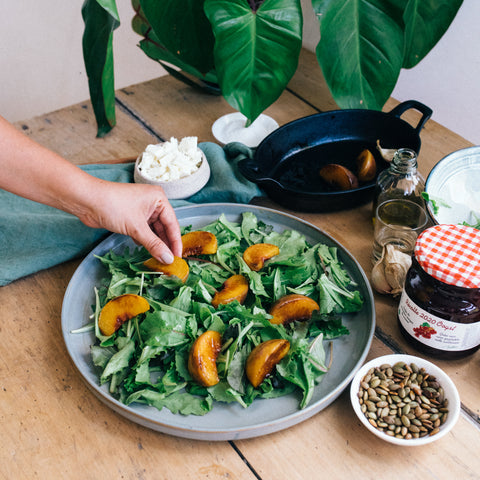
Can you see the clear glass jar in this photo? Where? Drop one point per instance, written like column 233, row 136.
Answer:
column 439, row 311
column 400, row 180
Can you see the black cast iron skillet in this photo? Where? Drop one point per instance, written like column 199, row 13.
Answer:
column 286, row 163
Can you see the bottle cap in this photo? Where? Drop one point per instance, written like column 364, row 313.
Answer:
column 450, row 254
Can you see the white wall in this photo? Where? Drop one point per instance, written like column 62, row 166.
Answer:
column 41, row 60
column 447, row 79
column 41, row 63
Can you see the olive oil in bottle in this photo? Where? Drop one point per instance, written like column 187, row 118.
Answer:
column 400, row 180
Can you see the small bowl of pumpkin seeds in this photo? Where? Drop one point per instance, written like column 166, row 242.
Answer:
column 405, row 399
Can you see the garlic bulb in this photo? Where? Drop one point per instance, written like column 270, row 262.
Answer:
column 386, row 153
column 388, row 274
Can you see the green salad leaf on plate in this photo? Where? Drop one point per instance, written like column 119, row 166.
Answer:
column 146, row 359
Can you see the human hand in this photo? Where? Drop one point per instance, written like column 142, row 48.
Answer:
column 142, row 212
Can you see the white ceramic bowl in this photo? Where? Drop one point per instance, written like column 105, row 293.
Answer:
column 443, row 379
column 231, row 128
column 183, row 187
column 455, row 180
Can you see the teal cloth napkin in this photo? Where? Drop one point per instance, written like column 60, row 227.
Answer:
column 34, row 236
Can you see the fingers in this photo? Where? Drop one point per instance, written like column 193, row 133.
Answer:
column 154, row 245
column 166, row 227
column 141, row 211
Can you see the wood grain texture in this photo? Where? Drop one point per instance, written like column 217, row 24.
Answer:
column 334, row 444
column 171, row 108
column 437, row 142
column 54, row 427
column 71, row 132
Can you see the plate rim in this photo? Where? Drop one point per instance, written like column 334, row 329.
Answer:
column 236, row 433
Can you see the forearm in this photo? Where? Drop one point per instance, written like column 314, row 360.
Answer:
column 32, row 171
column 141, row 211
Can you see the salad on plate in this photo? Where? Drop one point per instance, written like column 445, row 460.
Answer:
column 247, row 313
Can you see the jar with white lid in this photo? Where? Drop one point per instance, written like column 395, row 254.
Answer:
column 439, row 311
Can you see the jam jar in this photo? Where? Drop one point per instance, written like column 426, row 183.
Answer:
column 439, row 310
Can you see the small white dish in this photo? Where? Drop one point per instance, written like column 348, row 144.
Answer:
column 179, row 189
column 231, row 128
column 453, row 185
column 450, row 392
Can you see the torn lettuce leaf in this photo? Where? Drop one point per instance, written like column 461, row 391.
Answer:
column 145, row 361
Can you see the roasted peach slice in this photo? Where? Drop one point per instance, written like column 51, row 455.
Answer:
column 366, row 166
column 199, row 243
column 255, row 255
column 202, row 358
column 234, row 288
column 292, row 307
column 179, row 267
column 263, row 358
column 338, row 176
column 119, row 310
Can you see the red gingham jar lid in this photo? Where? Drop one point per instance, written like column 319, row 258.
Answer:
column 451, row 254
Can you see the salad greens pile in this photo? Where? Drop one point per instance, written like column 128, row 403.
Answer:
column 146, row 359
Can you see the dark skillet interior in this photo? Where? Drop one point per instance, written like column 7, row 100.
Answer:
column 299, row 171
column 287, row 162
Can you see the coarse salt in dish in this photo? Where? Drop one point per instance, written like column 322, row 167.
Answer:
column 171, row 160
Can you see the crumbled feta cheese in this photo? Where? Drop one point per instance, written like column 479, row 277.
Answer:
column 171, row 160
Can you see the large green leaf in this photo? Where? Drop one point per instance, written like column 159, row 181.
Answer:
column 256, row 53
column 425, row 23
column 182, row 31
column 140, row 24
column 152, row 47
column 360, row 50
column 101, row 19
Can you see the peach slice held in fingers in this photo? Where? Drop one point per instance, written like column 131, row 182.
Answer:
column 292, row 307
column 199, row 243
column 263, row 358
column 338, row 176
column 256, row 255
column 119, row 310
column 202, row 358
column 234, row 288
column 179, row 267
column 366, row 166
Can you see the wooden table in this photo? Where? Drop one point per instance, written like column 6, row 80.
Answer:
column 54, row 427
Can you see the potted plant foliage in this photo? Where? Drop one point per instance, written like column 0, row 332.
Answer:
column 250, row 48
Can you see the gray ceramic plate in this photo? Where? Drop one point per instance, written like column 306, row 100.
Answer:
column 225, row 421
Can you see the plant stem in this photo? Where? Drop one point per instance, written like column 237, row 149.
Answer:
column 255, row 4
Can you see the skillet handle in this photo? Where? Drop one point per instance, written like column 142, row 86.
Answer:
column 426, row 112
column 250, row 170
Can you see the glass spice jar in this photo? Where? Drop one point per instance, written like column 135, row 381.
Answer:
column 439, row 310
column 400, row 180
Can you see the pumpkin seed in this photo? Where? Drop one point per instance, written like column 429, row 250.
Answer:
column 375, row 382
column 403, row 400
column 405, row 420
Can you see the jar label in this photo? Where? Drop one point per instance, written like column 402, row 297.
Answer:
column 434, row 331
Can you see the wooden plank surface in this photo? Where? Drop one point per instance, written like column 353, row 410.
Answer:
column 164, row 104
column 437, row 142
column 71, row 132
column 53, row 426
column 334, row 444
